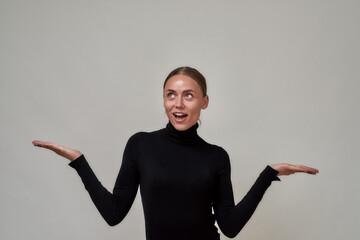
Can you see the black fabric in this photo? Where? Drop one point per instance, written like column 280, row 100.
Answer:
column 181, row 179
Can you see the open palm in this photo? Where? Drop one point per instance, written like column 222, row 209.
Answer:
column 68, row 153
column 288, row 169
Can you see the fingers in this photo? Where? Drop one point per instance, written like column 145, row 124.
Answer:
column 306, row 169
column 47, row 145
column 68, row 153
column 37, row 143
column 288, row 169
column 51, row 146
column 41, row 143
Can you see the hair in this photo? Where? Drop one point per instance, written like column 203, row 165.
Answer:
column 190, row 72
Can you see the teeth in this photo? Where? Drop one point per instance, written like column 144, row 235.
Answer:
column 179, row 114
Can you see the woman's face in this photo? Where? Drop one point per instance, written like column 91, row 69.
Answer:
column 183, row 101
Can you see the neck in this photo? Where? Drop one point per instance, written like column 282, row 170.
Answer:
column 187, row 136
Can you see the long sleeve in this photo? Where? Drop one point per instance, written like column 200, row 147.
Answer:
column 232, row 218
column 112, row 206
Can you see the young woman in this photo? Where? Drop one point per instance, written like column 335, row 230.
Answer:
column 182, row 178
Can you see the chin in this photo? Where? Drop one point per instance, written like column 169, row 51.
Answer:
column 182, row 126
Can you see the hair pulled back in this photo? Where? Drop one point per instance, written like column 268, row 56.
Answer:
column 190, row 72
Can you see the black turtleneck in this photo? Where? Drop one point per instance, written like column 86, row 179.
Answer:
column 182, row 178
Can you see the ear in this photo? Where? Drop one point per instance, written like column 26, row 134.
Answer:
column 205, row 102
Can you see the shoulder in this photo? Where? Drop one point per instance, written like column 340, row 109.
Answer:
column 143, row 136
column 219, row 157
column 218, row 153
column 215, row 149
column 137, row 137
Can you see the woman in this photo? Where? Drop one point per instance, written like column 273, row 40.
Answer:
column 182, row 178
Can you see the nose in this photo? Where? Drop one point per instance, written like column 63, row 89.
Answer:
column 179, row 102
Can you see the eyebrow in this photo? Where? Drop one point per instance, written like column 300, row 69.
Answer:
column 187, row 90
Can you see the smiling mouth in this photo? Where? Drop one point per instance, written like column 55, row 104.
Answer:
column 180, row 115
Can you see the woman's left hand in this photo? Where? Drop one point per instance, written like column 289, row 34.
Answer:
column 288, row 169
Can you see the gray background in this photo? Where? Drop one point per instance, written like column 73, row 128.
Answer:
column 283, row 84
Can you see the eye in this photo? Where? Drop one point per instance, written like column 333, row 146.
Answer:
column 171, row 95
column 188, row 95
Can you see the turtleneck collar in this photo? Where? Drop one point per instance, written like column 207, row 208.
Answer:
column 188, row 136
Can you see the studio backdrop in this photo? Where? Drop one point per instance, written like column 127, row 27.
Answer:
column 283, row 82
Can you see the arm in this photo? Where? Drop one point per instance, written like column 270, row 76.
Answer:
column 112, row 206
column 232, row 218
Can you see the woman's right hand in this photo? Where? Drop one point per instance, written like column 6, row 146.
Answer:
column 68, row 153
